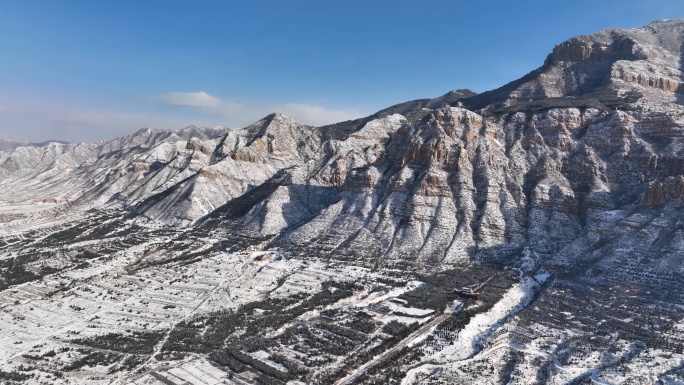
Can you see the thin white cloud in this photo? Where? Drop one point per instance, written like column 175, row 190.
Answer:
column 315, row 115
column 244, row 114
column 189, row 99
column 38, row 119
column 94, row 124
column 204, row 103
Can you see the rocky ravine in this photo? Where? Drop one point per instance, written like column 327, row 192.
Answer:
column 578, row 167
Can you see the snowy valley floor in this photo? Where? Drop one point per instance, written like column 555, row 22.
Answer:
column 91, row 297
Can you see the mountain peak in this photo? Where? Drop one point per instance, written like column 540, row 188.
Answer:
column 606, row 63
column 666, row 22
column 311, row 252
column 280, row 117
column 622, row 44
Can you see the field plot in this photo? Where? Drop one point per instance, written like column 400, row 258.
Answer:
column 195, row 372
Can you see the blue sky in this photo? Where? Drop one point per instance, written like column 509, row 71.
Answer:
column 83, row 70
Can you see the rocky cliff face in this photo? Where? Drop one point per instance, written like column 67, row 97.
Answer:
column 571, row 178
column 555, row 161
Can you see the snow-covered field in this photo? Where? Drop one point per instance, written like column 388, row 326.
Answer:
column 102, row 310
column 94, row 297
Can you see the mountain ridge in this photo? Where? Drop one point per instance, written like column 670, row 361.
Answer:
column 439, row 140
column 531, row 233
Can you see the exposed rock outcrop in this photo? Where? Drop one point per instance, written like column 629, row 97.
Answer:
column 661, row 192
column 552, row 162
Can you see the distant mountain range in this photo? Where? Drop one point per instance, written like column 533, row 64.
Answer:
column 574, row 148
column 575, row 170
column 8, row 145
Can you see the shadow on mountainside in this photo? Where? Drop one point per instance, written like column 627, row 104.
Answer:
column 303, row 202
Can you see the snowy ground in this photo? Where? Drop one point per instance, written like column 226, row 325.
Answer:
column 94, row 298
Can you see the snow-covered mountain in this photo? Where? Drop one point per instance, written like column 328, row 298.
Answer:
column 572, row 175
